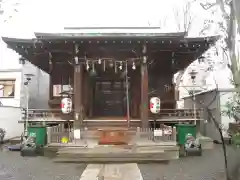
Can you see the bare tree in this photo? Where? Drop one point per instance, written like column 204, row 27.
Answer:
column 184, row 17
column 3, row 11
column 1, row 8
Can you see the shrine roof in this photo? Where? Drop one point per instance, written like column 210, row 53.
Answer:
column 35, row 50
column 123, row 37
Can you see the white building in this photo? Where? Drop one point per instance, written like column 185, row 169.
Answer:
column 12, row 90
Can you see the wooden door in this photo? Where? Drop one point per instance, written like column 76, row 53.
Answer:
column 109, row 98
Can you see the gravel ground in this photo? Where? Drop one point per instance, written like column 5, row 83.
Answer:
column 15, row 167
column 208, row 167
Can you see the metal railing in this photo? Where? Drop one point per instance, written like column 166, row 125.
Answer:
column 166, row 133
column 48, row 114
column 164, row 113
column 56, row 133
column 163, row 134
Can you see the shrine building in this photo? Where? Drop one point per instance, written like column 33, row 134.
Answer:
column 112, row 76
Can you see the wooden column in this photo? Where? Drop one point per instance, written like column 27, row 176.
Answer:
column 50, row 72
column 144, row 89
column 78, row 98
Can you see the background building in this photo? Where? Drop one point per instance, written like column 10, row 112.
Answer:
column 13, row 92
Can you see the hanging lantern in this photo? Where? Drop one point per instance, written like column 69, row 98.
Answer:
column 111, row 64
column 66, row 105
column 155, row 105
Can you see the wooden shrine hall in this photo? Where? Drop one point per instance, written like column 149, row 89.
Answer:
column 112, row 76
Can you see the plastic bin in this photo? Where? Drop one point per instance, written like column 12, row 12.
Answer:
column 40, row 133
column 183, row 130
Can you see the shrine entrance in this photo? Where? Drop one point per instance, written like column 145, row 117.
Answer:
column 110, row 98
column 109, row 94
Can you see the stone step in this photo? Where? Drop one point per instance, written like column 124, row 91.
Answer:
column 156, row 148
column 125, row 153
column 206, row 142
column 114, row 157
column 91, row 124
column 94, row 133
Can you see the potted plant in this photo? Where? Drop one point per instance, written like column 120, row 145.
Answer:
column 232, row 110
column 236, row 139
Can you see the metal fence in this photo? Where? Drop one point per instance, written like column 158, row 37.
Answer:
column 166, row 133
column 56, row 133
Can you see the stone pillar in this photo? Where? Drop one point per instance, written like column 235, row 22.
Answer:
column 78, row 99
column 144, row 89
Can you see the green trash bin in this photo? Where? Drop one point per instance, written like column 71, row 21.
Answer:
column 40, row 133
column 183, row 130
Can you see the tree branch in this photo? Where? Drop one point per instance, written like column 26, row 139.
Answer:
column 208, row 6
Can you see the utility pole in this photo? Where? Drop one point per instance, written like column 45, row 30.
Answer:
column 26, row 83
column 193, row 74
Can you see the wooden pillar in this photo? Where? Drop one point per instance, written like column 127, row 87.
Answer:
column 50, row 72
column 144, row 89
column 78, row 98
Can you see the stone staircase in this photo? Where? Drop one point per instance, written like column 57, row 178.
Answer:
column 117, row 154
column 91, row 152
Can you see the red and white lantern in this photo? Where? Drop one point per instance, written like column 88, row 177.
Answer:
column 155, row 105
column 66, row 105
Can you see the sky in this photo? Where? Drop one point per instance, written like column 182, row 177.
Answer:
column 53, row 15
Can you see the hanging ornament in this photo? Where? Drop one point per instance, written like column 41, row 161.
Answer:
column 133, row 66
column 87, row 66
column 76, row 60
column 115, row 67
column 111, row 64
column 93, row 67
column 120, row 67
column 93, row 72
column 104, row 66
column 99, row 61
